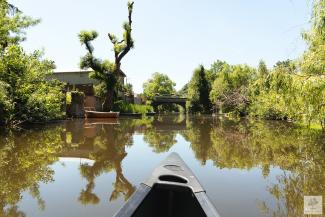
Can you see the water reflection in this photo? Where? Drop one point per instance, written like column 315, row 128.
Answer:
column 24, row 163
column 108, row 145
column 161, row 134
column 244, row 144
column 104, row 142
column 26, row 157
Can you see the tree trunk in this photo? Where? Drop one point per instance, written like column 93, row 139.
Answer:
column 108, row 102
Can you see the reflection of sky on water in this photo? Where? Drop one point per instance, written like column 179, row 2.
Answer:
column 100, row 165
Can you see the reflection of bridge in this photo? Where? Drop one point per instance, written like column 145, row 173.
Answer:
column 168, row 99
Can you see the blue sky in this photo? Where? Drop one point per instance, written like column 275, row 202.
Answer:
column 171, row 36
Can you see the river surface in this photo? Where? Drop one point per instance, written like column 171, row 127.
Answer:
column 82, row 168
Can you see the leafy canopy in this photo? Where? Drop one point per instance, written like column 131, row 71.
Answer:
column 26, row 94
column 158, row 84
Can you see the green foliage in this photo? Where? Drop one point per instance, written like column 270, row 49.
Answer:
column 131, row 108
column 183, row 92
column 6, row 107
column 314, row 57
column 216, row 68
column 85, row 36
column 291, row 90
column 26, row 95
column 160, row 141
column 159, row 84
column 229, row 90
column 284, row 94
column 250, row 144
column 198, row 92
column 12, row 25
column 128, row 89
column 25, row 159
column 68, row 98
column 294, row 90
column 32, row 96
column 262, row 68
column 100, row 90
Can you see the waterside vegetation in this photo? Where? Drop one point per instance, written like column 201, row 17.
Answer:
column 25, row 94
column 291, row 90
column 27, row 157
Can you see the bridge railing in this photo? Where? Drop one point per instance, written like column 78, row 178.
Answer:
column 169, row 96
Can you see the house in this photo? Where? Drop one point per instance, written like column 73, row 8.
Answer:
column 79, row 80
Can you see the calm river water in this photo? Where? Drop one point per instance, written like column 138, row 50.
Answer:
column 85, row 168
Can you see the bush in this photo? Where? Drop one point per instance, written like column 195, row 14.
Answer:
column 5, row 104
column 25, row 93
column 31, row 96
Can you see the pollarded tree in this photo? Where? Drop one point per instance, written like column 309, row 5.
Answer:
column 106, row 71
column 198, row 92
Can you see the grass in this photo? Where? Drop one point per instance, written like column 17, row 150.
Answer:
column 124, row 107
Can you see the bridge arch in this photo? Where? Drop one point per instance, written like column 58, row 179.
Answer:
column 160, row 100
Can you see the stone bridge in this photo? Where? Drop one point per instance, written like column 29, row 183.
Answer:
column 168, row 99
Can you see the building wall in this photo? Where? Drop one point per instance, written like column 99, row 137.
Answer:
column 77, row 77
column 87, row 89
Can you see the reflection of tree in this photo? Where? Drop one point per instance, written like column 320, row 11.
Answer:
column 197, row 132
column 306, row 177
column 161, row 136
column 160, row 141
column 108, row 153
column 87, row 196
column 246, row 144
column 13, row 211
column 24, row 163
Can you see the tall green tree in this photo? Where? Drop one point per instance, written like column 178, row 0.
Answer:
column 198, row 92
column 13, row 23
column 26, row 94
column 215, row 69
column 107, row 72
column 158, row 84
column 262, row 68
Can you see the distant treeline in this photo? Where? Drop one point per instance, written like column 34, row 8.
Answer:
column 291, row 89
